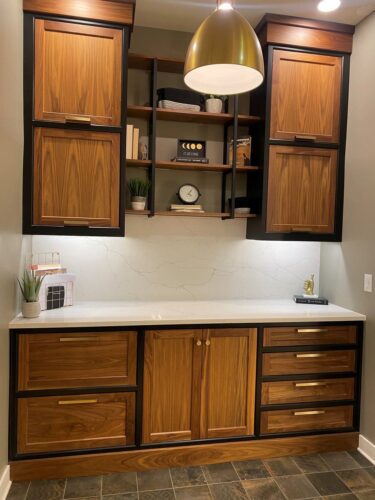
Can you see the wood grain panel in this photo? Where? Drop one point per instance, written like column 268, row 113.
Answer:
column 57, row 423
column 172, row 384
column 53, row 361
column 294, row 363
column 115, row 11
column 305, row 99
column 284, row 336
column 76, row 178
column 307, row 391
column 77, row 72
column 182, row 456
column 283, row 421
column 228, row 386
column 301, row 190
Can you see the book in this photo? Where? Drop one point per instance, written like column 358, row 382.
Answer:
column 44, row 272
column 186, row 210
column 186, row 207
column 184, row 159
column 46, row 267
column 135, row 143
column 302, row 299
column 243, row 152
column 129, row 141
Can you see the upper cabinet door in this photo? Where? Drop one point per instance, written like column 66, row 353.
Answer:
column 76, row 178
column 77, row 73
column 306, row 92
column 301, row 190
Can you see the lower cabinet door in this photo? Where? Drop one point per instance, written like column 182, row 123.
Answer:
column 172, row 382
column 308, row 419
column 76, row 422
column 228, row 392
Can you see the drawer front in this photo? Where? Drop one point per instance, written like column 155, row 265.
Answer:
column 53, row 361
column 294, row 363
column 75, row 422
column 309, row 419
column 309, row 335
column 305, row 391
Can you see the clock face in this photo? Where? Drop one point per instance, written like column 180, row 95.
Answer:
column 189, row 194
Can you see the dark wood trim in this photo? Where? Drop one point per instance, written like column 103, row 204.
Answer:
column 304, row 22
column 152, row 134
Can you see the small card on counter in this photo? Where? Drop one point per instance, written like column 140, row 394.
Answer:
column 303, row 299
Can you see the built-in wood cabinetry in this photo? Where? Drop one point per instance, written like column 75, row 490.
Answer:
column 199, row 384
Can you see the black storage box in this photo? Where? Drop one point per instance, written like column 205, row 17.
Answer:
column 180, row 95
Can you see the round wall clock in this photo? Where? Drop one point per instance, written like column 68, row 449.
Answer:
column 189, row 194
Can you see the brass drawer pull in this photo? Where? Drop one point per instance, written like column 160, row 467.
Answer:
column 311, row 355
column 310, row 384
column 78, row 339
column 309, row 412
column 305, row 137
column 208, row 343
column 199, row 343
column 76, row 223
column 77, row 119
column 78, row 402
column 302, row 230
column 312, row 330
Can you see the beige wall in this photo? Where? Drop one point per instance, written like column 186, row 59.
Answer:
column 343, row 265
column 11, row 144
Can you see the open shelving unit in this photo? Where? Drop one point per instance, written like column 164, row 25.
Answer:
column 230, row 121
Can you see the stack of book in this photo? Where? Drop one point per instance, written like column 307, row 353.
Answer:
column 44, row 269
column 187, row 208
column 187, row 159
column 132, row 142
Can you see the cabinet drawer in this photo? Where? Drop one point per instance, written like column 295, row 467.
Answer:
column 305, row 391
column 308, row 419
column 53, row 361
column 290, row 363
column 75, row 422
column 309, row 335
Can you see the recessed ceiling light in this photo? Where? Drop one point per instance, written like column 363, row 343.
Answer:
column 225, row 6
column 329, row 5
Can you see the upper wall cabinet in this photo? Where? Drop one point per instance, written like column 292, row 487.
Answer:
column 77, row 73
column 306, row 91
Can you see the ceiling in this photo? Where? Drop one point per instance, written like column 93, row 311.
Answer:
column 186, row 15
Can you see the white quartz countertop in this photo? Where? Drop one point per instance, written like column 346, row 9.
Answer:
column 92, row 314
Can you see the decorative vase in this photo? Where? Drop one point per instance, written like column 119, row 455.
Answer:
column 30, row 309
column 138, row 202
column 214, row 105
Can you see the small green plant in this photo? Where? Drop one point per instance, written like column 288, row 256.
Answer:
column 30, row 286
column 139, row 187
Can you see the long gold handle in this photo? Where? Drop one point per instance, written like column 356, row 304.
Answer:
column 77, row 119
column 78, row 339
column 78, row 402
column 76, row 223
column 199, row 343
column 301, row 230
column 312, row 330
column 305, row 137
column 310, row 384
column 310, row 355
column 310, row 412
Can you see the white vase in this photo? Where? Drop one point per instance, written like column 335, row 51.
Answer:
column 138, row 203
column 30, row 309
column 214, row 105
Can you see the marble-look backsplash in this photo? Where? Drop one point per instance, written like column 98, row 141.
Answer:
column 183, row 259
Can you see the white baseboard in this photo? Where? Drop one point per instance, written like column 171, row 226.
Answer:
column 5, row 483
column 367, row 448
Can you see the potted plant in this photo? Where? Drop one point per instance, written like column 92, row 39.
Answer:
column 138, row 190
column 214, row 103
column 30, row 288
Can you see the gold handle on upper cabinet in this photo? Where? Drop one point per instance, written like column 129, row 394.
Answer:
column 78, row 402
column 84, row 223
column 77, row 119
column 208, row 343
column 310, row 384
column 78, row 339
column 310, row 355
column 305, row 137
column 310, row 412
column 199, row 343
column 312, row 330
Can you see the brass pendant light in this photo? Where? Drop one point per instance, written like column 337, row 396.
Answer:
column 224, row 56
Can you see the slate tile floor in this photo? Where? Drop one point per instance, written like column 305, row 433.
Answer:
column 335, row 476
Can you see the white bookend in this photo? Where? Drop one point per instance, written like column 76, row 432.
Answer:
column 129, row 141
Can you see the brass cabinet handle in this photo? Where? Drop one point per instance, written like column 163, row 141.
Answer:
column 312, row 330
column 301, row 230
column 77, row 119
column 199, row 343
column 310, row 384
column 78, row 402
column 309, row 412
column 305, row 137
column 78, row 339
column 311, row 355
column 76, row 223
column 208, row 343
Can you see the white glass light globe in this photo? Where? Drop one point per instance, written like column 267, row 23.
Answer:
column 329, row 5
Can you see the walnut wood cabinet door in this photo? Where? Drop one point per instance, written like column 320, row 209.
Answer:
column 229, row 373
column 76, row 178
column 172, row 382
column 305, row 100
column 77, row 73
column 301, row 190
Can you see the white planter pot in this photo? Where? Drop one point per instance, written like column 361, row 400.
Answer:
column 138, row 203
column 30, row 309
column 214, row 105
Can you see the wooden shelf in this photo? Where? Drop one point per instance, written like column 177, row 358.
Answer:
column 137, row 212
column 139, row 163
column 245, row 216
column 198, row 167
column 169, row 213
column 139, row 112
column 166, row 64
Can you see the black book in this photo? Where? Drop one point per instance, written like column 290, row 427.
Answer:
column 301, row 299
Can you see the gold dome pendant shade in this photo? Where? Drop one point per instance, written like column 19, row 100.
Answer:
column 224, row 56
